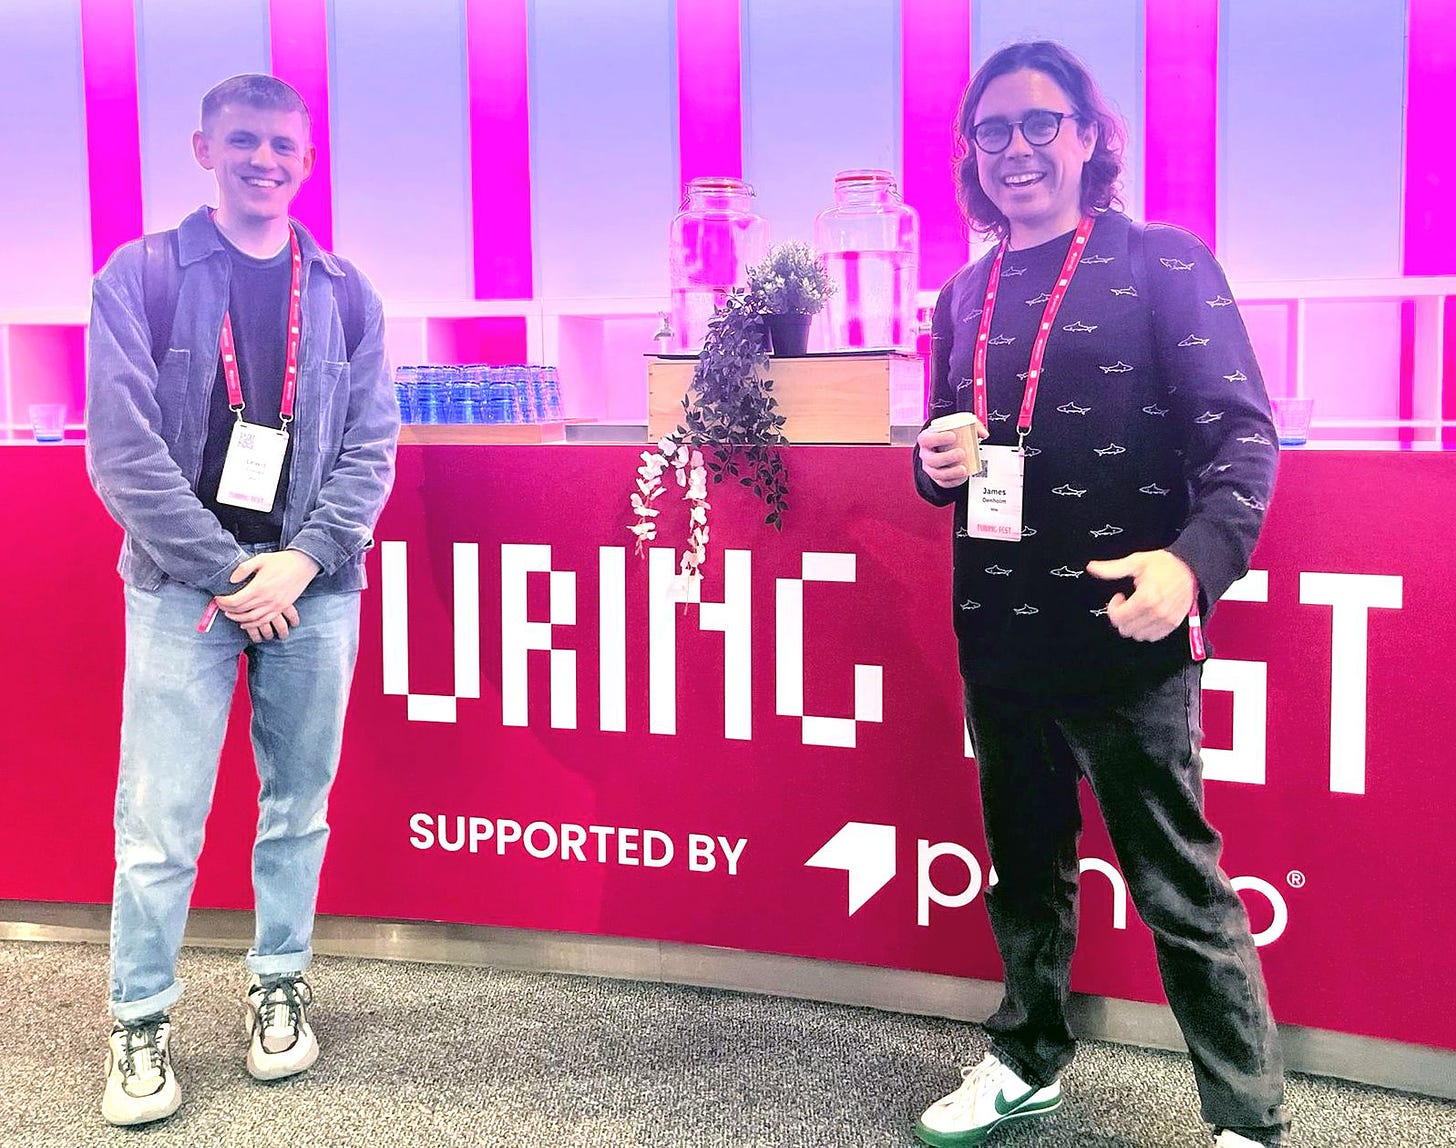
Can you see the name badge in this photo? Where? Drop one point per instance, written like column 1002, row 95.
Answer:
column 253, row 467
column 993, row 498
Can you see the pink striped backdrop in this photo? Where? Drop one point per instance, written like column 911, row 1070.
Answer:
column 1181, row 93
column 113, row 124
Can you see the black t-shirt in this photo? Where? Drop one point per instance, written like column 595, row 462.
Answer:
column 258, row 304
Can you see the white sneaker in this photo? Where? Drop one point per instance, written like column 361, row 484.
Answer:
column 990, row 1095
column 1230, row 1139
column 275, row 1018
column 140, row 1083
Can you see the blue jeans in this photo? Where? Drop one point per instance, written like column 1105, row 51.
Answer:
column 178, row 692
column 1139, row 751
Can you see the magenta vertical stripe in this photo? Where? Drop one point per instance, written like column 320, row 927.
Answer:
column 113, row 127
column 300, row 44
column 935, row 45
column 709, row 89
column 1180, row 128
column 500, row 147
column 1430, row 161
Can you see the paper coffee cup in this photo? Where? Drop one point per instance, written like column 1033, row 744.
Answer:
column 967, row 431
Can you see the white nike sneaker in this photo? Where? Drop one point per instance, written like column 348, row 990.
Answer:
column 990, row 1095
column 140, row 1084
column 1230, row 1139
column 275, row 1018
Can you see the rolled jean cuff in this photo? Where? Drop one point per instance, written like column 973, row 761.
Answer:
column 129, row 1012
column 1018, row 1066
column 280, row 964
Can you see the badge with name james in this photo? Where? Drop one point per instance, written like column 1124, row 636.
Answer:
column 253, row 467
column 993, row 502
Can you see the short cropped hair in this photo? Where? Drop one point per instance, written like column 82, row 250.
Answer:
column 1100, row 174
column 254, row 91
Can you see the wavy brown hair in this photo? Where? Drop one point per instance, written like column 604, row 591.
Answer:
column 1100, row 174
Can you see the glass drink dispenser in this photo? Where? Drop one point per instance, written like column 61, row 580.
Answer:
column 713, row 241
column 870, row 241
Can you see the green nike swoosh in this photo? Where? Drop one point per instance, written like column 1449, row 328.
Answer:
column 1005, row 1107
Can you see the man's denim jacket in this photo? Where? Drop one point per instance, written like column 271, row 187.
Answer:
column 145, row 425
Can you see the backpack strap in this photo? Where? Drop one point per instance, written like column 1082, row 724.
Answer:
column 351, row 308
column 161, row 283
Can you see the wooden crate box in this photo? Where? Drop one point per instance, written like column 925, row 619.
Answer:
column 832, row 398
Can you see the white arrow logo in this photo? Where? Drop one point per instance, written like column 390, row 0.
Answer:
column 866, row 852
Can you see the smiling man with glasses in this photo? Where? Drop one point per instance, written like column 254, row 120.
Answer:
column 1127, row 461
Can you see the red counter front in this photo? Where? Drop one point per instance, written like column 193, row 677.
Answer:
column 785, row 770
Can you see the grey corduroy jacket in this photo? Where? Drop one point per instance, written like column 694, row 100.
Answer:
column 146, row 425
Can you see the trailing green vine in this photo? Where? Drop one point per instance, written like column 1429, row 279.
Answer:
column 731, row 425
column 731, row 412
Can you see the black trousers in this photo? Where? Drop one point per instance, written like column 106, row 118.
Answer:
column 1139, row 750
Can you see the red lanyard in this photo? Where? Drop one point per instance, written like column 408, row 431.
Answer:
column 227, row 348
column 1038, row 348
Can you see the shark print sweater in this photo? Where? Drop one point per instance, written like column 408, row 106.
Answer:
column 1151, row 431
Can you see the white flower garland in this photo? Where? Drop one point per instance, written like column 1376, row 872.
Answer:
column 693, row 476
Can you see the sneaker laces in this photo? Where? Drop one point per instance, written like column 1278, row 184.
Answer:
column 976, row 1079
column 143, row 1058
column 282, row 1007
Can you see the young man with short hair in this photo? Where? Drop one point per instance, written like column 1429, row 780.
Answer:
column 241, row 428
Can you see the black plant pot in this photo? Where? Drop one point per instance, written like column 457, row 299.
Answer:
column 788, row 335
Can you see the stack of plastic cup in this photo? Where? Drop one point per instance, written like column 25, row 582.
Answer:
column 551, row 387
column 468, row 406
column 404, row 392
column 536, row 389
column 476, row 394
column 432, row 396
column 520, row 380
column 501, row 406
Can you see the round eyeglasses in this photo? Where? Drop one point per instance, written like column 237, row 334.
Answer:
column 1038, row 128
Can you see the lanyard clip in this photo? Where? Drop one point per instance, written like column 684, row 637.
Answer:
column 1021, row 439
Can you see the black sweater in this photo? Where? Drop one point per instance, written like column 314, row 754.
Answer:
column 1151, row 431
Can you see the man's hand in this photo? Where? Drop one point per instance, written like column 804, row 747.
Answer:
column 264, row 607
column 276, row 627
column 942, row 458
column 1163, row 592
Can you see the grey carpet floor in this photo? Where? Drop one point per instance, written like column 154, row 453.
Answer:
column 416, row 1054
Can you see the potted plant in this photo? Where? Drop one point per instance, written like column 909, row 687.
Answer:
column 791, row 287
column 731, row 426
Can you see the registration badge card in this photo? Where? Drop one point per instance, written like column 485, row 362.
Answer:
column 253, row 467
column 993, row 501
